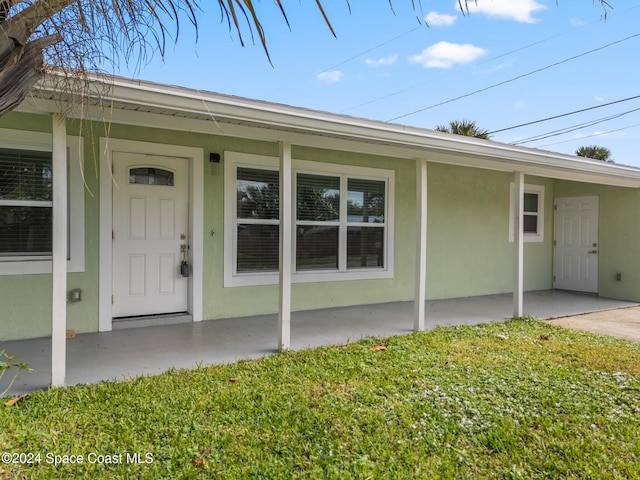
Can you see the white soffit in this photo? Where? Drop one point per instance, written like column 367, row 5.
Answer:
column 163, row 106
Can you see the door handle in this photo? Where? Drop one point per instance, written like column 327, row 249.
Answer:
column 592, row 251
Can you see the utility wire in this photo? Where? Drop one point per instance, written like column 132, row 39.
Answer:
column 599, row 134
column 563, row 115
column 538, row 42
column 573, row 128
column 488, row 60
column 516, row 78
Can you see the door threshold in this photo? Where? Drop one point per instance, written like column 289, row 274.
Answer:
column 151, row 320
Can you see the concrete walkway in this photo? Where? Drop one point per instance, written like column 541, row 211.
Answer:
column 94, row 357
column 621, row 323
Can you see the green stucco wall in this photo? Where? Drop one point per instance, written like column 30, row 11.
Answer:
column 469, row 252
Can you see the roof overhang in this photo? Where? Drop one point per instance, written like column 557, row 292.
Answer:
column 135, row 102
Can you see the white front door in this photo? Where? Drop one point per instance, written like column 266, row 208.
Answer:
column 150, row 226
column 576, row 244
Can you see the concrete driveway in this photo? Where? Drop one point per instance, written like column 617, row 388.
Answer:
column 622, row 323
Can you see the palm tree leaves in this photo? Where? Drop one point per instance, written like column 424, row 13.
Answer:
column 468, row 128
column 596, row 152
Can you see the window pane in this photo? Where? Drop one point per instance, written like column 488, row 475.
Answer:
column 365, row 247
column 257, row 193
column 25, row 175
column 530, row 223
column 318, row 198
column 150, row 176
column 316, row 248
column 257, row 248
column 365, row 201
column 25, row 231
column 531, row 202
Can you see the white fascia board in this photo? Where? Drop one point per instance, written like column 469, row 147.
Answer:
column 275, row 122
column 334, row 125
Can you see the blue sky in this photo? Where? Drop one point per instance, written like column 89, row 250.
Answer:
column 510, row 61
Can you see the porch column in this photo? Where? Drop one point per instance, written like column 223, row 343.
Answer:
column 284, row 305
column 518, row 244
column 421, row 245
column 59, row 252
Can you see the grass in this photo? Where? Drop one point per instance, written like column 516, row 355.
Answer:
column 520, row 399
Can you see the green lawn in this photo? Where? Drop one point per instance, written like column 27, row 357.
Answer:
column 509, row 400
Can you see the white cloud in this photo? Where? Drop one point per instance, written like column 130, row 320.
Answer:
column 576, row 22
column 518, row 10
column 436, row 19
column 332, row 76
column 445, row 55
column 381, row 62
column 598, row 98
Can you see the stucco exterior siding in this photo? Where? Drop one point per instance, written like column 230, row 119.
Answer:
column 468, row 247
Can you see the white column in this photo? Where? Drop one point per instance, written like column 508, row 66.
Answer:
column 59, row 253
column 421, row 245
column 518, row 244
column 284, row 313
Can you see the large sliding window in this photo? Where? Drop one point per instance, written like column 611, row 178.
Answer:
column 341, row 221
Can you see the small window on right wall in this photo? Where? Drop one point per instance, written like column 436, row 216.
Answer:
column 533, row 218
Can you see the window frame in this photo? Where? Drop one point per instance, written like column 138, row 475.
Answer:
column 233, row 160
column 528, row 237
column 42, row 142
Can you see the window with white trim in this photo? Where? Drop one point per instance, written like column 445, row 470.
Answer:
column 533, row 213
column 341, row 221
column 26, row 203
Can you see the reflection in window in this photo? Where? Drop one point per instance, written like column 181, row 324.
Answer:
column 257, row 193
column 318, row 198
column 25, row 203
column 316, row 247
column 530, row 217
column 258, row 248
column 257, row 213
column 365, row 201
column 150, row 176
column 365, row 247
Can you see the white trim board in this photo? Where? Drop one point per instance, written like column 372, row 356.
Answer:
column 274, row 122
column 196, row 212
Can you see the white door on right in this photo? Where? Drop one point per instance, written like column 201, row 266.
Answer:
column 576, row 244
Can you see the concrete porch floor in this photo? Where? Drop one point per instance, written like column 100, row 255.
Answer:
column 120, row 354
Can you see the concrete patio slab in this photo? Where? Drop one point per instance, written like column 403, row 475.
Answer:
column 128, row 353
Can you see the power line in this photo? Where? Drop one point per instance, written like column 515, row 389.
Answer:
column 538, row 42
column 375, row 47
column 524, row 47
column 573, row 128
column 599, row 134
column 368, row 50
column 515, row 78
column 564, row 115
